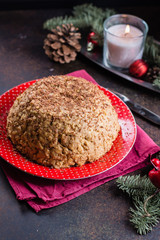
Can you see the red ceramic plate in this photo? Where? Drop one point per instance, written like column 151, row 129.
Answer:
column 121, row 147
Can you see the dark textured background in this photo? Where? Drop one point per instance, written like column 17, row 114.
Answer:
column 37, row 4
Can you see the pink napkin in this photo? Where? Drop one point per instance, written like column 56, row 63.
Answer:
column 42, row 193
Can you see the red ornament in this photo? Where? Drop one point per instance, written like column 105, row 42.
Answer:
column 91, row 38
column 154, row 174
column 138, row 68
column 91, row 41
column 156, row 163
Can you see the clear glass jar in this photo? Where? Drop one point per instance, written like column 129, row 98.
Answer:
column 121, row 46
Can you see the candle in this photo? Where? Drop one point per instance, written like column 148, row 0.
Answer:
column 124, row 37
column 124, row 45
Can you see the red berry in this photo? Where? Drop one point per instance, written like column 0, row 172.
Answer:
column 154, row 177
column 156, row 163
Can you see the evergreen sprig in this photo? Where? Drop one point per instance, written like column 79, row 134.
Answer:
column 58, row 21
column 156, row 82
column 146, row 200
column 139, row 218
column 135, row 186
column 152, row 51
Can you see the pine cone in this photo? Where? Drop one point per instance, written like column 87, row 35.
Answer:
column 152, row 74
column 62, row 44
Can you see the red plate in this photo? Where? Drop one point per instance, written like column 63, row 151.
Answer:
column 121, row 147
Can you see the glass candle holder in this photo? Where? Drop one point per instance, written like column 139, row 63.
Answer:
column 124, row 39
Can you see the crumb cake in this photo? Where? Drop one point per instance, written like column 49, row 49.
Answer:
column 62, row 121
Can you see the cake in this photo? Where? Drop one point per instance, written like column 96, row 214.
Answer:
column 62, row 121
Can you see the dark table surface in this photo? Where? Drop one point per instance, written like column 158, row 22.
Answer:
column 103, row 212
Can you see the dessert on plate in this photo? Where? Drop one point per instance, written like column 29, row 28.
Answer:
column 62, row 121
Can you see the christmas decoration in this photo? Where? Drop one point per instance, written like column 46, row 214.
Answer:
column 146, row 200
column 138, row 68
column 153, row 73
column 87, row 16
column 154, row 174
column 152, row 52
column 91, row 38
column 62, row 44
column 91, row 41
column 156, row 82
column 84, row 16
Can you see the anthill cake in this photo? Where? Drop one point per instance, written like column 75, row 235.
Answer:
column 62, row 121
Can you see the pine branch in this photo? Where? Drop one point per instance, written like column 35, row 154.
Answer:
column 96, row 17
column 87, row 9
column 58, row 21
column 156, row 82
column 142, row 223
column 152, row 51
column 146, row 199
column 135, row 185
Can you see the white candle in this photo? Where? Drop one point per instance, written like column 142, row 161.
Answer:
column 124, row 46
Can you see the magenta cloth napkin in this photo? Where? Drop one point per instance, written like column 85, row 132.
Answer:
column 42, row 193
